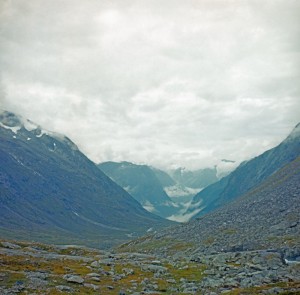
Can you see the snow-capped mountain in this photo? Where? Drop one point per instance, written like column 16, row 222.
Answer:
column 50, row 191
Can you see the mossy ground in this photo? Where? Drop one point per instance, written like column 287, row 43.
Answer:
column 14, row 270
column 15, row 267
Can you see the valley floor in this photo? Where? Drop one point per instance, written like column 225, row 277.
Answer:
column 31, row 268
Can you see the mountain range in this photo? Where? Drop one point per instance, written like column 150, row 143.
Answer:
column 52, row 192
column 243, row 238
column 165, row 193
column 246, row 176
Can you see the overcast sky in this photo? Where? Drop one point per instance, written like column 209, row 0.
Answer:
column 168, row 83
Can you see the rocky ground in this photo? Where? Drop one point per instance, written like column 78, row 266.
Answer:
column 29, row 268
column 268, row 217
column 251, row 246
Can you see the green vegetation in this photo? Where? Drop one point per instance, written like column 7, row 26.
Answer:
column 127, row 271
column 257, row 290
column 209, row 241
column 229, row 231
column 146, row 245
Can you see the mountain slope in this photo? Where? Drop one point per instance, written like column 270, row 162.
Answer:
column 267, row 217
column 247, row 175
column 141, row 182
column 50, row 191
column 164, row 178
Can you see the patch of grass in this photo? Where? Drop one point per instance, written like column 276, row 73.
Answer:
column 229, row 231
column 288, row 240
column 190, row 272
column 286, row 286
column 146, row 245
column 232, row 264
column 179, row 246
column 10, row 278
column 209, row 241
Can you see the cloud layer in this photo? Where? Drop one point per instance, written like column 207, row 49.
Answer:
column 169, row 83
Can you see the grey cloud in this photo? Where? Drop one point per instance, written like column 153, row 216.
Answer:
column 165, row 82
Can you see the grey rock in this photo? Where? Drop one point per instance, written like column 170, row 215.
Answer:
column 10, row 245
column 247, row 282
column 154, row 268
column 220, row 259
column 73, row 279
column 128, row 271
column 230, row 282
column 93, row 274
column 108, row 261
column 95, row 264
column 39, row 275
column 37, row 284
column 91, row 286
column 275, row 290
column 157, row 262
column 212, row 283
column 63, row 288
column 209, row 272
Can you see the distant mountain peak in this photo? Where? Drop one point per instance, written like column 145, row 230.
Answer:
column 227, row 161
column 16, row 123
column 295, row 132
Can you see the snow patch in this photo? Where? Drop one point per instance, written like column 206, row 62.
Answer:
column 149, row 206
column 126, row 188
column 28, row 125
column 291, row 261
column 42, row 132
column 196, row 205
column 170, row 204
column 185, row 217
column 14, row 129
column 176, row 191
column 55, row 135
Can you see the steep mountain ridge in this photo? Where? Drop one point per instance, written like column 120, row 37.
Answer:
column 164, row 178
column 248, row 175
column 50, row 191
